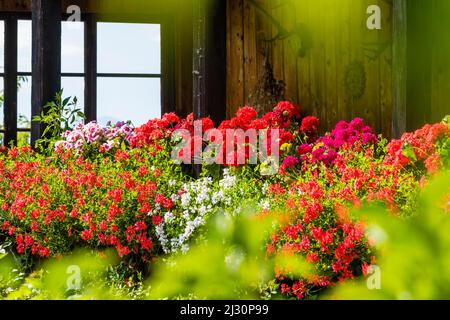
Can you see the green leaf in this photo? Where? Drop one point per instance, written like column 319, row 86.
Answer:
column 81, row 114
column 408, row 151
column 66, row 101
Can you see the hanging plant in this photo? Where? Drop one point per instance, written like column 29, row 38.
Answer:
column 267, row 91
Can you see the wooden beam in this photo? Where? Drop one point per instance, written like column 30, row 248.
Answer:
column 399, row 67
column 90, row 68
column 216, row 60
column 120, row 7
column 209, row 64
column 46, row 57
column 168, row 66
column 10, row 83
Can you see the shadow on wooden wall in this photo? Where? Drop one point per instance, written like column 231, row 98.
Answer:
column 332, row 65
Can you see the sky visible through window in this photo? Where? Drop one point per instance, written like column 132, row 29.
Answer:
column 128, row 48
column 122, row 48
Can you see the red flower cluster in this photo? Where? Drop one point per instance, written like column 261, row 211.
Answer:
column 50, row 206
column 310, row 126
column 418, row 147
column 318, row 200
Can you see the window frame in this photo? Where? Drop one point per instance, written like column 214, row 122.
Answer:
column 166, row 75
column 90, row 74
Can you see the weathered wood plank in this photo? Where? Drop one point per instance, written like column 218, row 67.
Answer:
column 317, row 61
column 277, row 47
column 370, row 110
column 418, row 88
column 343, row 57
column 289, row 15
column 399, row 72
column 236, row 80
column 330, row 25
column 440, row 95
column 250, row 54
column 262, row 32
column 385, row 91
column 303, row 65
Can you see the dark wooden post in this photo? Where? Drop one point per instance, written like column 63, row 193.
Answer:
column 209, row 82
column 199, row 63
column 90, row 68
column 168, row 66
column 46, row 57
column 209, row 64
column 10, row 92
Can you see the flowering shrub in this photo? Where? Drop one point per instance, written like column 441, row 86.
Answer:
column 121, row 187
column 93, row 138
column 422, row 148
column 317, row 223
column 51, row 205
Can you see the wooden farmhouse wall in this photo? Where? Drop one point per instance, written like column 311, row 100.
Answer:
column 397, row 78
column 333, row 66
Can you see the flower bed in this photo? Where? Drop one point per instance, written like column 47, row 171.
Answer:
column 121, row 187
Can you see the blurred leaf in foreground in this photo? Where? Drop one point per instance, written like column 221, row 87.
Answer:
column 230, row 264
column 414, row 254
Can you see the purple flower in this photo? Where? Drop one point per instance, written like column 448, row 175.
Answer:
column 290, row 162
column 318, row 154
column 357, row 124
column 327, row 156
column 341, row 125
column 368, row 138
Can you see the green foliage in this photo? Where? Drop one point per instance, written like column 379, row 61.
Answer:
column 58, row 116
column 443, row 148
column 414, row 256
column 230, row 264
column 70, row 277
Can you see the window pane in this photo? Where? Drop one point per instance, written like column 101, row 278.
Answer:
column 74, row 87
column 121, row 99
column 24, row 45
column 2, row 96
column 72, row 47
column 2, row 46
column 129, row 48
column 24, row 102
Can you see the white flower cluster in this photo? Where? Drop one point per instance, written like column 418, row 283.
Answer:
column 195, row 204
column 196, row 201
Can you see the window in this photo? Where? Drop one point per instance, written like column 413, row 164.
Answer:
column 125, row 74
column 72, row 61
column 23, row 81
column 129, row 72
